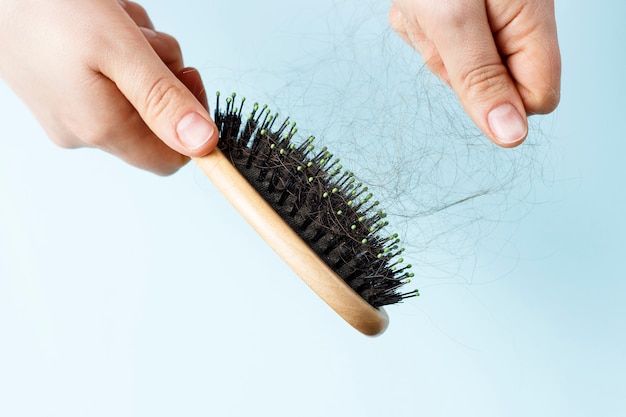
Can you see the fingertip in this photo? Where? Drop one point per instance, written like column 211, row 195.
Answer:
column 197, row 134
column 508, row 127
column 543, row 100
column 210, row 144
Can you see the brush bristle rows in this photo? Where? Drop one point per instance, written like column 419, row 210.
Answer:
column 326, row 205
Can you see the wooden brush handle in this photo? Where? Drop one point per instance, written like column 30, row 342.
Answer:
column 290, row 247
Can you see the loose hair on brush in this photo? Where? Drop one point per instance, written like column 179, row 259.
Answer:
column 324, row 203
column 315, row 214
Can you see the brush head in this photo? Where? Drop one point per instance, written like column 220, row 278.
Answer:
column 323, row 203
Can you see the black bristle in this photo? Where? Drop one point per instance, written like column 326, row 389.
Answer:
column 307, row 187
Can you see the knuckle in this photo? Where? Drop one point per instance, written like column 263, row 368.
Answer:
column 160, row 94
column 171, row 52
column 63, row 137
column 100, row 135
column 65, row 142
column 485, row 81
column 172, row 43
column 453, row 14
column 171, row 167
column 96, row 138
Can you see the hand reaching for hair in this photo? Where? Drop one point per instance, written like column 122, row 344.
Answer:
column 501, row 57
column 96, row 74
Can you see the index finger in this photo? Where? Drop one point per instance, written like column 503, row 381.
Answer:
column 528, row 41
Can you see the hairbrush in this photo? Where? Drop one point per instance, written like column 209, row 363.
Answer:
column 314, row 214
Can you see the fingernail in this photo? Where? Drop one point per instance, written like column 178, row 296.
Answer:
column 507, row 124
column 122, row 3
column 194, row 131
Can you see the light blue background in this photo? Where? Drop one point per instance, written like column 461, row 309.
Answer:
column 127, row 294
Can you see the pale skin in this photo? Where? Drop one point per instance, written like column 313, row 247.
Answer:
column 96, row 73
column 501, row 57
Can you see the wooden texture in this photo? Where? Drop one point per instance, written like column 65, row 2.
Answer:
column 290, row 247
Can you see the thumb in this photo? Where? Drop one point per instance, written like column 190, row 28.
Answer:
column 167, row 106
column 481, row 80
